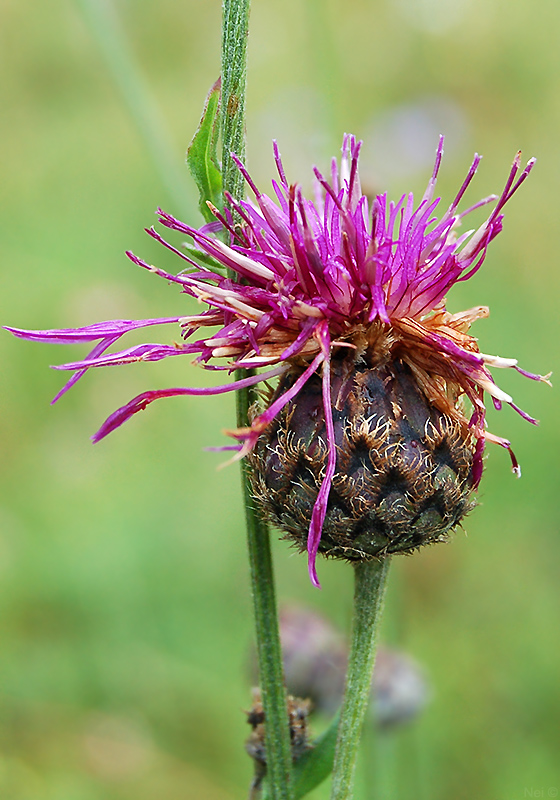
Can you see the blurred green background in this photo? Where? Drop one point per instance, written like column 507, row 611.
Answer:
column 125, row 616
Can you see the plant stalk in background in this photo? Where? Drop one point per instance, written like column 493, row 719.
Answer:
column 106, row 28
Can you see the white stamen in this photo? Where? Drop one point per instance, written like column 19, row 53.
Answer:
column 494, row 390
column 209, row 293
column 307, row 310
column 498, row 361
column 219, row 352
column 256, row 361
column 205, row 318
column 217, row 342
column 470, row 248
column 252, row 313
column 252, row 266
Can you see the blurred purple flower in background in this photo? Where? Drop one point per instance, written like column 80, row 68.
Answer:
column 315, row 656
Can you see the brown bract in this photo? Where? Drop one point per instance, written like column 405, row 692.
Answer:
column 404, row 451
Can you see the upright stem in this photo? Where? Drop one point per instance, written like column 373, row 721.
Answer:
column 273, row 694
column 278, row 750
column 235, row 29
column 369, row 592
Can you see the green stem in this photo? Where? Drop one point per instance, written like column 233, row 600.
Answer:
column 232, row 127
column 235, row 29
column 106, row 28
column 273, row 694
column 369, row 592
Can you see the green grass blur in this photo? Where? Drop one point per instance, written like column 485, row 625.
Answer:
column 125, row 614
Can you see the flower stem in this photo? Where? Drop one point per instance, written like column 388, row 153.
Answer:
column 235, row 29
column 369, row 592
column 232, row 127
column 269, row 654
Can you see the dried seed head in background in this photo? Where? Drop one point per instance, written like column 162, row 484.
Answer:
column 298, row 711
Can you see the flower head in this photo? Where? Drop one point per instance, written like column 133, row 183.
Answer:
column 318, row 280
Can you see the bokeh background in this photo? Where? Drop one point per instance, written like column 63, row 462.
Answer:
column 125, row 615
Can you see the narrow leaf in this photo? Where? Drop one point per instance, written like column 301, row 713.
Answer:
column 203, row 258
column 202, row 159
column 314, row 766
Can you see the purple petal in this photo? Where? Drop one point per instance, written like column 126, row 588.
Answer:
column 140, row 352
column 141, row 401
column 524, row 414
column 320, row 507
column 477, row 465
column 97, row 350
column 533, row 376
column 100, row 330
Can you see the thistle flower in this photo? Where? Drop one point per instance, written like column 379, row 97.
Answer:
column 366, row 437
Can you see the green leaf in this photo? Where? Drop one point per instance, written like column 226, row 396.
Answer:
column 315, row 765
column 203, row 258
column 202, row 159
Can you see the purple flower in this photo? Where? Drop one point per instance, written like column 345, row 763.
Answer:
column 312, row 274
